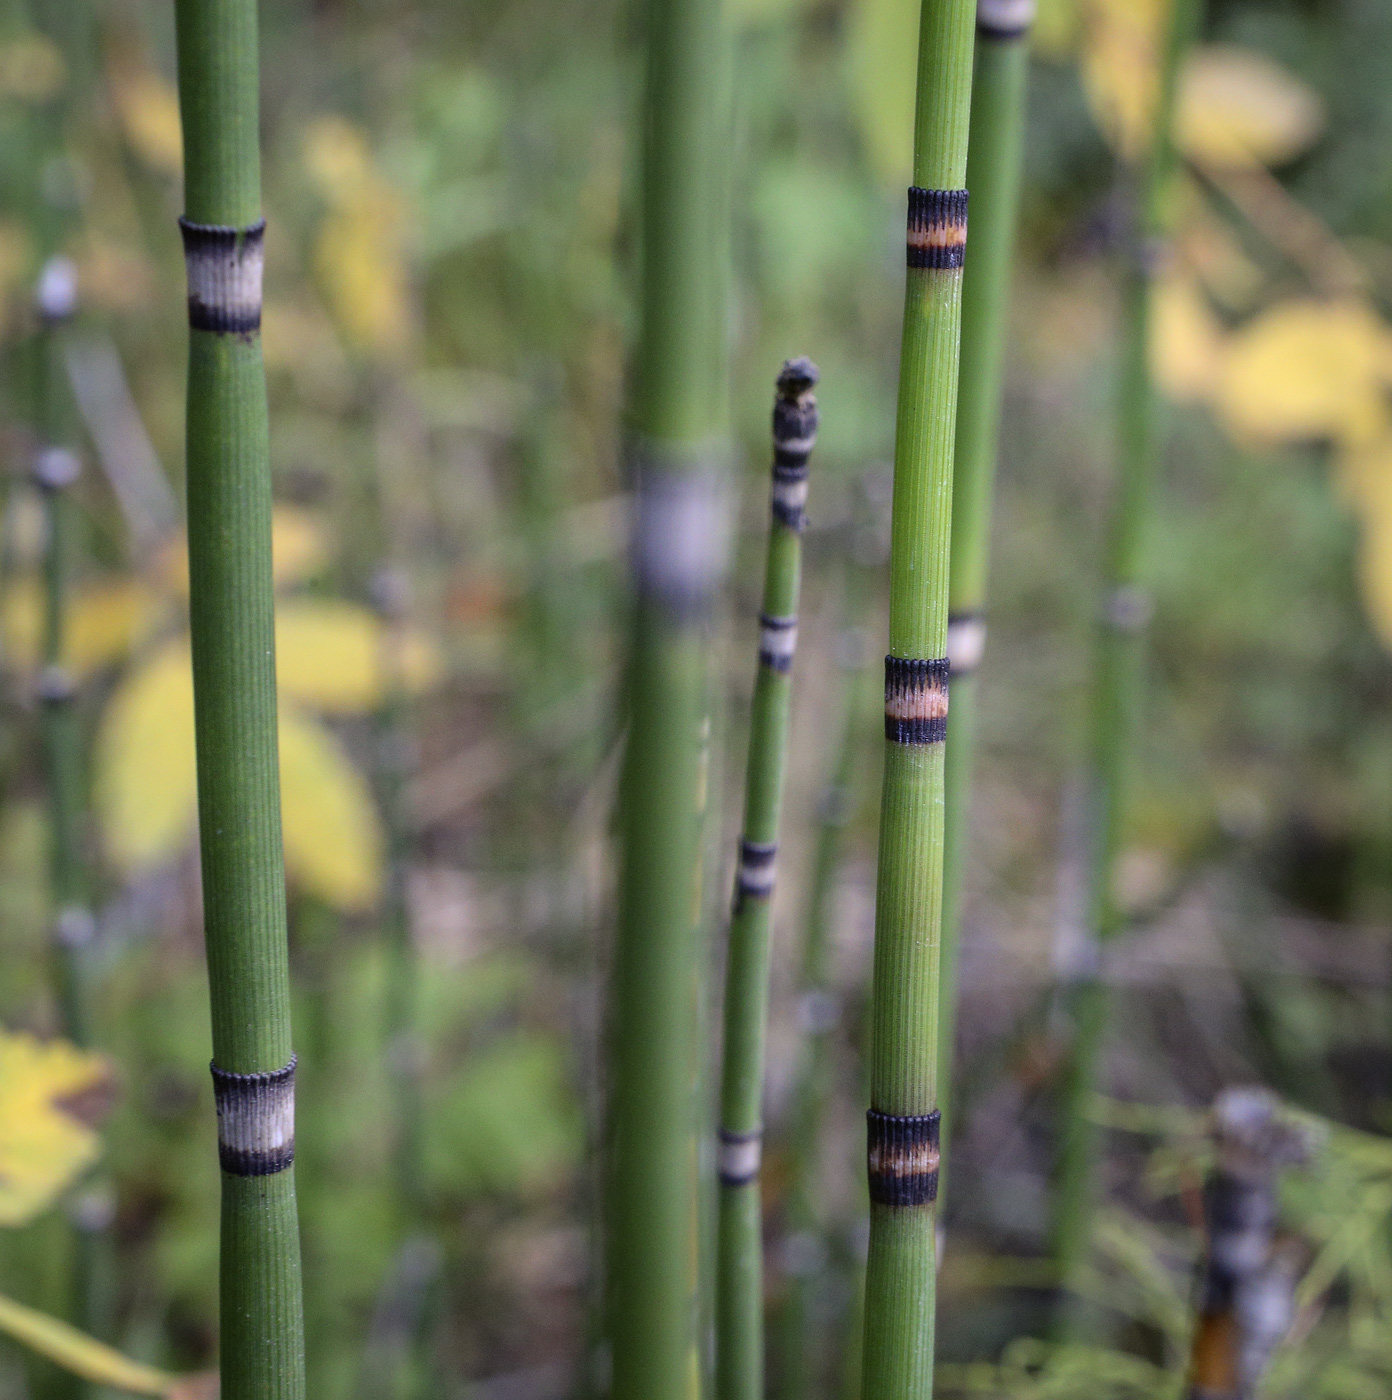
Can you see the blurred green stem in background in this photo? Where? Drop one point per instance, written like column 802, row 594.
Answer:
column 804, row 1351
column 739, row 1337
column 232, row 625
column 677, row 422
column 1118, row 666
column 995, row 154
column 902, row 1158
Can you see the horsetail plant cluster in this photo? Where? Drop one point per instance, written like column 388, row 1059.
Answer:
column 902, row 1125
column 739, row 1263
column 995, row 151
column 677, row 423
column 232, row 626
column 1119, row 656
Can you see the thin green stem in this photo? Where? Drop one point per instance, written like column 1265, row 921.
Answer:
column 678, row 417
column 1119, row 657
column 993, row 176
column 903, row 1122
column 233, row 633
column 739, row 1338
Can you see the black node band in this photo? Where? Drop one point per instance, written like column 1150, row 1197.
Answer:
column 224, row 275
column 937, row 228
column 916, row 700
column 902, row 1158
column 256, row 1120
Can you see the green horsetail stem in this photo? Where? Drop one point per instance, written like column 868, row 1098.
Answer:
column 232, row 623
column 739, row 1331
column 994, row 159
column 56, row 470
column 679, row 449
column 902, row 1128
column 803, row 1347
column 1117, row 681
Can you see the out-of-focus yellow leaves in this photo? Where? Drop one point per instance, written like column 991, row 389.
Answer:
column 95, row 1361
column 333, row 841
column 147, row 794
column 360, row 252
column 337, row 158
column 1305, row 370
column 147, row 107
column 339, row 658
column 146, row 788
column 1121, row 45
column 299, row 548
column 1234, row 109
column 113, row 277
column 44, row 1143
column 1186, row 346
column 882, row 49
column 31, row 68
column 103, row 622
column 1239, row 109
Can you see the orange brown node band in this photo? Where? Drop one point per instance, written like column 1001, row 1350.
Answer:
column 915, row 700
column 902, row 1158
column 937, row 232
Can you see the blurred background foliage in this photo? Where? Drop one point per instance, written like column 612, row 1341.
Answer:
column 450, row 259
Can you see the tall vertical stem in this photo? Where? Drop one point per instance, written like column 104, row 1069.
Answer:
column 1118, row 663
column 56, row 471
column 993, row 177
column 677, row 423
column 739, row 1339
column 902, row 1154
column 232, row 621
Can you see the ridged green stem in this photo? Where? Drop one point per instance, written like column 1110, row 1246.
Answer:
column 900, row 1268
column 233, row 633
column 739, row 1338
column 677, row 421
column 1118, row 665
column 993, row 176
column 62, row 721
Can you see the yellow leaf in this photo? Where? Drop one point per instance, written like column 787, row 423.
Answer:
column 93, row 1360
column 104, row 622
column 882, row 53
column 146, row 788
column 337, row 657
column 359, row 258
column 148, row 108
column 1186, row 345
column 44, row 1145
column 1239, row 109
column 113, row 277
column 337, row 157
column 31, row 68
column 333, row 841
column 1120, row 68
column 299, row 549
column 1305, row 370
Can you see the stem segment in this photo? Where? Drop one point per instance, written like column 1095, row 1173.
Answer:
column 993, row 177
column 1119, row 657
column 232, row 622
column 903, row 1120
column 740, row 1273
column 679, row 408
